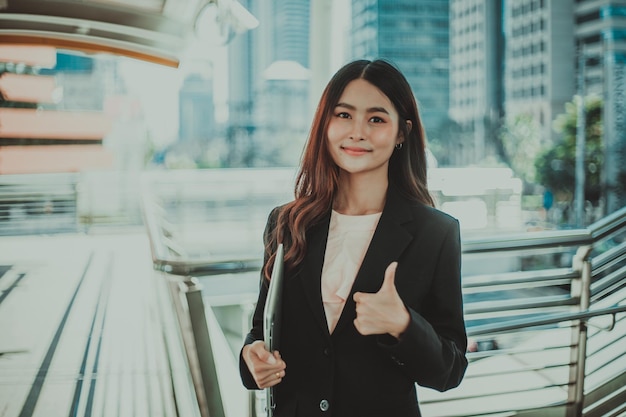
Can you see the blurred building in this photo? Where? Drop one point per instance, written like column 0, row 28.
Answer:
column 415, row 36
column 290, row 33
column 601, row 43
column 476, row 75
column 241, row 78
column 51, row 112
column 530, row 57
column 509, row 59
column 539, row 75
column 278, row 82
column 196, row 109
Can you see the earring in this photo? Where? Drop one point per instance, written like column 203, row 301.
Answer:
column 398, row 146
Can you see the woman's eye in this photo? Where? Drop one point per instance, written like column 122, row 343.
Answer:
column 376, row 119
column 343, row 115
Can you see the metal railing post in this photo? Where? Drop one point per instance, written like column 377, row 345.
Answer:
column 203, row 348
column 578, row 352
column 246, row 322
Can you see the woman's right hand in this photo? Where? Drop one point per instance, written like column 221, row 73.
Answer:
column 267, row 369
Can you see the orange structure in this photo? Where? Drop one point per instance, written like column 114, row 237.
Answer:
column 36, row 138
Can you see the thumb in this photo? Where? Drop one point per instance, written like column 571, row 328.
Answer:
column 389, row 283
column 262, row 353
column 269, row 357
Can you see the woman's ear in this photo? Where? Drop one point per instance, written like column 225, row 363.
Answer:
column 409, row 126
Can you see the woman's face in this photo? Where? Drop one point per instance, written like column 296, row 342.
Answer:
column 363, row 130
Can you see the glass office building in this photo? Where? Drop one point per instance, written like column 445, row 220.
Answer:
column 414, row 35
column 601, row 40
column 476, row 66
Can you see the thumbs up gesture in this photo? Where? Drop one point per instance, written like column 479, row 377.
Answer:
column 382, row 312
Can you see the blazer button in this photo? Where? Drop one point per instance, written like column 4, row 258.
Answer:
column 326, row 352
column 324, row 405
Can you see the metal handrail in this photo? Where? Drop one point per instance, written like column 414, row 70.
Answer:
column 550, row 238
column 166, row 256
column 521, row 241
column 601, row 277
column 33, row 204
column 162, row 260
column 554, row 318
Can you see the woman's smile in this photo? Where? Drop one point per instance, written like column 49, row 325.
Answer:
column 355, row 150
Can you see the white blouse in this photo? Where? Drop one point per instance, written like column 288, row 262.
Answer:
column 348, row 240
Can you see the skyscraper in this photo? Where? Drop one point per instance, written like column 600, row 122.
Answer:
column 601, row 40
column 414, row 35
column 197, row 113
column 280, row 62
column 539, row 75
column 291, row 31
column 241, row 70
column 476, row 66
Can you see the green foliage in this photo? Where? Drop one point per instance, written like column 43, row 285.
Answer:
column 556, row 166
column 520, row 136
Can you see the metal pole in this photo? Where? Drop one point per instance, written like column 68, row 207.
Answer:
column 579, row 192
column 581, row 288
column 204, row 350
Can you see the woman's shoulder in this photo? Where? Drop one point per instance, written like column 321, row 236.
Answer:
column 419, row 210
column 437, row 213
column 273, row 215
column 435, row 216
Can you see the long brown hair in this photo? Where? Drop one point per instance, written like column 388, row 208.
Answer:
column 318, row 176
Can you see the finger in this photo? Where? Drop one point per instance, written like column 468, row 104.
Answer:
column 389, row 282
column 271, row 379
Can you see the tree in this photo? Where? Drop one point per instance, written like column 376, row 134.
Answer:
column 520, row 140
column 556, row 166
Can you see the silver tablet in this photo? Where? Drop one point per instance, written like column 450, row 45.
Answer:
column 273, row 302
column 271, row 318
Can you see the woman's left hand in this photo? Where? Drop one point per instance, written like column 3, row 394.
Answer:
column 382, row 312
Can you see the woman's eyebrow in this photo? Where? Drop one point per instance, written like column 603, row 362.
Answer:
column 369, row 110
column 377, row 110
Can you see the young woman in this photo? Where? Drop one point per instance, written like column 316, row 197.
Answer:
column 372, row 294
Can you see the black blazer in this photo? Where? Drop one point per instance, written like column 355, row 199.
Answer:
column 347, row 374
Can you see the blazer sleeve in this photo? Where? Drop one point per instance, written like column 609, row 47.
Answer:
column 256, row 332
column 432, row 349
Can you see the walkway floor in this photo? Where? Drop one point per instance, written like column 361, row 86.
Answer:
column 79, row 328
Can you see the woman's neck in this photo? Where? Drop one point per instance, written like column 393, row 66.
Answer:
column 358, row 197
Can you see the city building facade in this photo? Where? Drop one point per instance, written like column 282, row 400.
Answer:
column 196, row 109
column 415, row 36
column 268, row 83
column 601, row 45
column 476, row 68
column 539, row 74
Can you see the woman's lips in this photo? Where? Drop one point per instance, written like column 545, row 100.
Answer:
column 355, row 151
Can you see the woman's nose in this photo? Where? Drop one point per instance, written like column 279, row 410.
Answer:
column 358, row 131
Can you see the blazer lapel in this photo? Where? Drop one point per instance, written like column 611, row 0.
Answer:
column 311, row 271
column 388, row 242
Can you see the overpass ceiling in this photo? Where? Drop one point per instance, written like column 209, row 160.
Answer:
column 152, row 30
